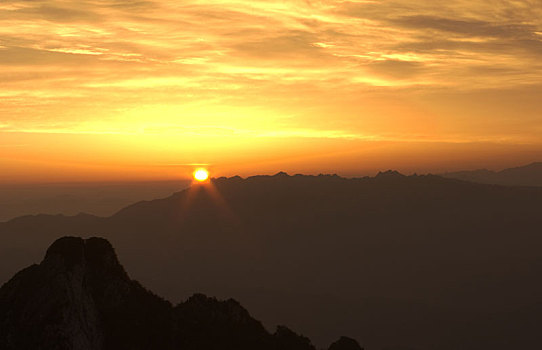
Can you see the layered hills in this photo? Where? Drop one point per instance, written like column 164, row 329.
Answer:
column 418, row 262
column 80, row 298
column 527, row 175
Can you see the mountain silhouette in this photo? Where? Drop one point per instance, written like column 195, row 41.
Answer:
column 528, row 175
column 99, row 198
column 400, row 262
column 80, row 297
column 345, row 343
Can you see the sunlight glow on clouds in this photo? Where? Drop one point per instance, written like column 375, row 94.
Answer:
column 380, row 70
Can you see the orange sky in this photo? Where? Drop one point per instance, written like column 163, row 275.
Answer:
column 122, row 89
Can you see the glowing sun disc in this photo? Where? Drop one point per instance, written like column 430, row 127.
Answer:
column 201, row 175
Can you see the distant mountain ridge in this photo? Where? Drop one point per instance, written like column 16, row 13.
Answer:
column 528, row 175
column 421, row 262
column 102, row 199
column 80, row 298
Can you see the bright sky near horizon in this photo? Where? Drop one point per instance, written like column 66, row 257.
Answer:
column 122, row 89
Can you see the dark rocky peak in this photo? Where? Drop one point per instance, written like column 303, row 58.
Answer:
column 206, row 323
column 226, row 320
column 279, row 177
column 281, row 174
column 49, row 306
column 325, row 175
column 226, row 325
column 213, row 309
column 102, row 259
column 345, row 343
column 389, row 174
column 222, row 179
column 80, row 298
column 95, row 255
column 66, row 252
column 286, row 339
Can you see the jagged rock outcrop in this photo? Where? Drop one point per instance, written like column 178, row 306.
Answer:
column 345, row 343
column 286, row 339
column 206, row 323
column 391, row 174
column 81, row 298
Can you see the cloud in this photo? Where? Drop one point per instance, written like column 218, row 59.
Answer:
column 472, row 28
column 397, row 69
column 102, row 60
column 58, row 14
column 291, row 45
column 39, row 57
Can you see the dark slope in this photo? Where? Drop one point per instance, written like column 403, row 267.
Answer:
column 345, row 343
column 394, row 260
column 528, row 175
column 81, row 298
column 207, row 323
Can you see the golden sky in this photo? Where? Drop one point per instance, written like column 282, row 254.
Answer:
column 127, row 89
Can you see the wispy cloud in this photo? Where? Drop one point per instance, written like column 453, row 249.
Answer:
column 293, row 68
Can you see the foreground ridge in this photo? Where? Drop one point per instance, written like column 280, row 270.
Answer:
column 80, row 297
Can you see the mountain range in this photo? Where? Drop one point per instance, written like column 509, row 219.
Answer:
column 527, row 175
column 398, row 262
column 81, row 298
column 106, row 198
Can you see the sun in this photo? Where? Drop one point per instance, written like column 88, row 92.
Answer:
column 201, row 175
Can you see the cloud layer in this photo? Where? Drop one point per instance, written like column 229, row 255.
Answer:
column 395, row 70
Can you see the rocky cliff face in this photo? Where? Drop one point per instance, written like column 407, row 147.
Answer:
column 80, row 298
